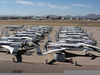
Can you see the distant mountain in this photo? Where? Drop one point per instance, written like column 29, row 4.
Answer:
column 86, row 16
column 51, row 15
column 91, row 16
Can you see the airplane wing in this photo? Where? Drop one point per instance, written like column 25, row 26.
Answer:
column 90, row 46
column 39, row 52
column 54, row 50
column 85, row 50
column 13, row 50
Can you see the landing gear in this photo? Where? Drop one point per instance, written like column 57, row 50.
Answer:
column 86, row 54
column 8, row 52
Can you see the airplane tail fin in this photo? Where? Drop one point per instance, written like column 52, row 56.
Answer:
column 2, row 31
column 34, row 38
column 59, row 29
column 57, row 33
column 59, row 17
column 42, row 34
column 19, row 30
column 38, row 50
column 7, row 34
column 56, row 38
column 31, row 27
column 49, row 40
column 26, row 27
column 22, row 26
column 15, row 50
column 91, row 35
column 47, row 16
column 86, row 32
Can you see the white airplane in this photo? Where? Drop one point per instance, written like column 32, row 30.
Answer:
column 63, row 47
column 73, row 33
column 74, row 36
column 29, row 40
column 29, row 33
column 76, row 46
column 38, row 29
column 13, row 46
column 71, row 40
column 26, row 35
column 40, row 18
column 70, row 28
column 14, row 28
column 39, row 52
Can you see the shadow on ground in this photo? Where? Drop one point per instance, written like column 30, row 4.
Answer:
column 70, row 55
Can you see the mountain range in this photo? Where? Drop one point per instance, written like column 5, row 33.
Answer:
column 86, row 16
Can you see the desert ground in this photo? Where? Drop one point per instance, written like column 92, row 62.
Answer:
column 32, row 63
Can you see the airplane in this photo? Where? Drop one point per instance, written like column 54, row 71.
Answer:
column 12, row 28
column 74, row 36
column 24, row 17
column 13, row 46
column 71, row 40
column 77, row 46
column 10, row 42
column 24, row 35
column 39, row 29
column 93, row 19
column 29, row 34
column 13, row 38
column 39, row 18
column 70, row 28
column 82, row 34
column 63, row 47
column 71, row 31
column 39, row 52
column 52, row 18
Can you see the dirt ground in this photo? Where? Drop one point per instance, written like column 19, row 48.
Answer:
column 31, row 63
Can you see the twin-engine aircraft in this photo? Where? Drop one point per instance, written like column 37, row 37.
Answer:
column 58, row 47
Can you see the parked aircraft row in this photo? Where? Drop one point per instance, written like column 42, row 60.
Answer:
column 69, row 40
column 48, row 17
column 22, row 39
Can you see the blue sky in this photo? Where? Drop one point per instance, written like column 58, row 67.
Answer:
column 47, row 7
